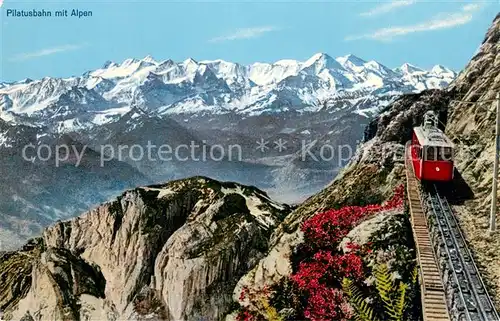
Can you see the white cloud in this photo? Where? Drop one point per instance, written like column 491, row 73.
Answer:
column 471, row 7
column 245, row 33
column 440, row 21
column 387, row 7
column 46, row 52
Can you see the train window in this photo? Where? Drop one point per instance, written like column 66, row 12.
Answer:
column 446, row 154
column 430, row 153
column 435, row 153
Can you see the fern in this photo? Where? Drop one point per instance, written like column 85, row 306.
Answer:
column 269, row 312
column 363, row 311
column 384, row 284
column 414, row 276
column 400, row 301
column 393, row 295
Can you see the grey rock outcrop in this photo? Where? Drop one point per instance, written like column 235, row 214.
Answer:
column 472, row 127
column 169, row 252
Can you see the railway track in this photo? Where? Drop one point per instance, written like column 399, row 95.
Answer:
column 432, row 292
column 467, row 297
column 471, row 297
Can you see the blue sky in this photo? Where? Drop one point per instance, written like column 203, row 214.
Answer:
column 423, row 33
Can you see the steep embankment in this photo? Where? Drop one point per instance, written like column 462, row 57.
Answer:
column 371, row 177
column 166, row 252
column 378, row 165
column 472, row 126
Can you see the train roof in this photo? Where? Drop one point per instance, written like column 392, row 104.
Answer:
column 432, row 137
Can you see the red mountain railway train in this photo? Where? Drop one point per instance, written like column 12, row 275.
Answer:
column 431, row 151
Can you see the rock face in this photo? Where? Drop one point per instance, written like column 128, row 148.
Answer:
column 378, row 165
column 176, row 251
column 472, row 127
column 169, row 252
column 371, row 177
column 472, row 113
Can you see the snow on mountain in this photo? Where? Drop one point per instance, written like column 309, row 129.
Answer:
column 409, row 69
column 266, row 74
column 443, row 71
column 127, row 68
column 351, row 60
column 437, row 77
column 142, row 100
column 211, row 86
column 319, row 62
column 234, row 74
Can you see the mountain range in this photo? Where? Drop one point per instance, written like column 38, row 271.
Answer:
column 216, row 87
column 322, row 100
column 202, row 249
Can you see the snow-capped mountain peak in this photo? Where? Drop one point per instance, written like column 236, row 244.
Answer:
column 108, row 64
column 439, row 69
column 190, row 61
column 25, row 81
column 164, row 65
column 217, row 86
column 352, row 60
column 149, row 59
column 190, row 66
column 321, row 61
column 129, row 61
column 317, row 57
column 437, row 77
column 409, row 68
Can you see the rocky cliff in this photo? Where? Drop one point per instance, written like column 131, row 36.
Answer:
column 471, row 125
column 186, row 250
column 169, row 252
column 378, row 165
column 370, row 178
